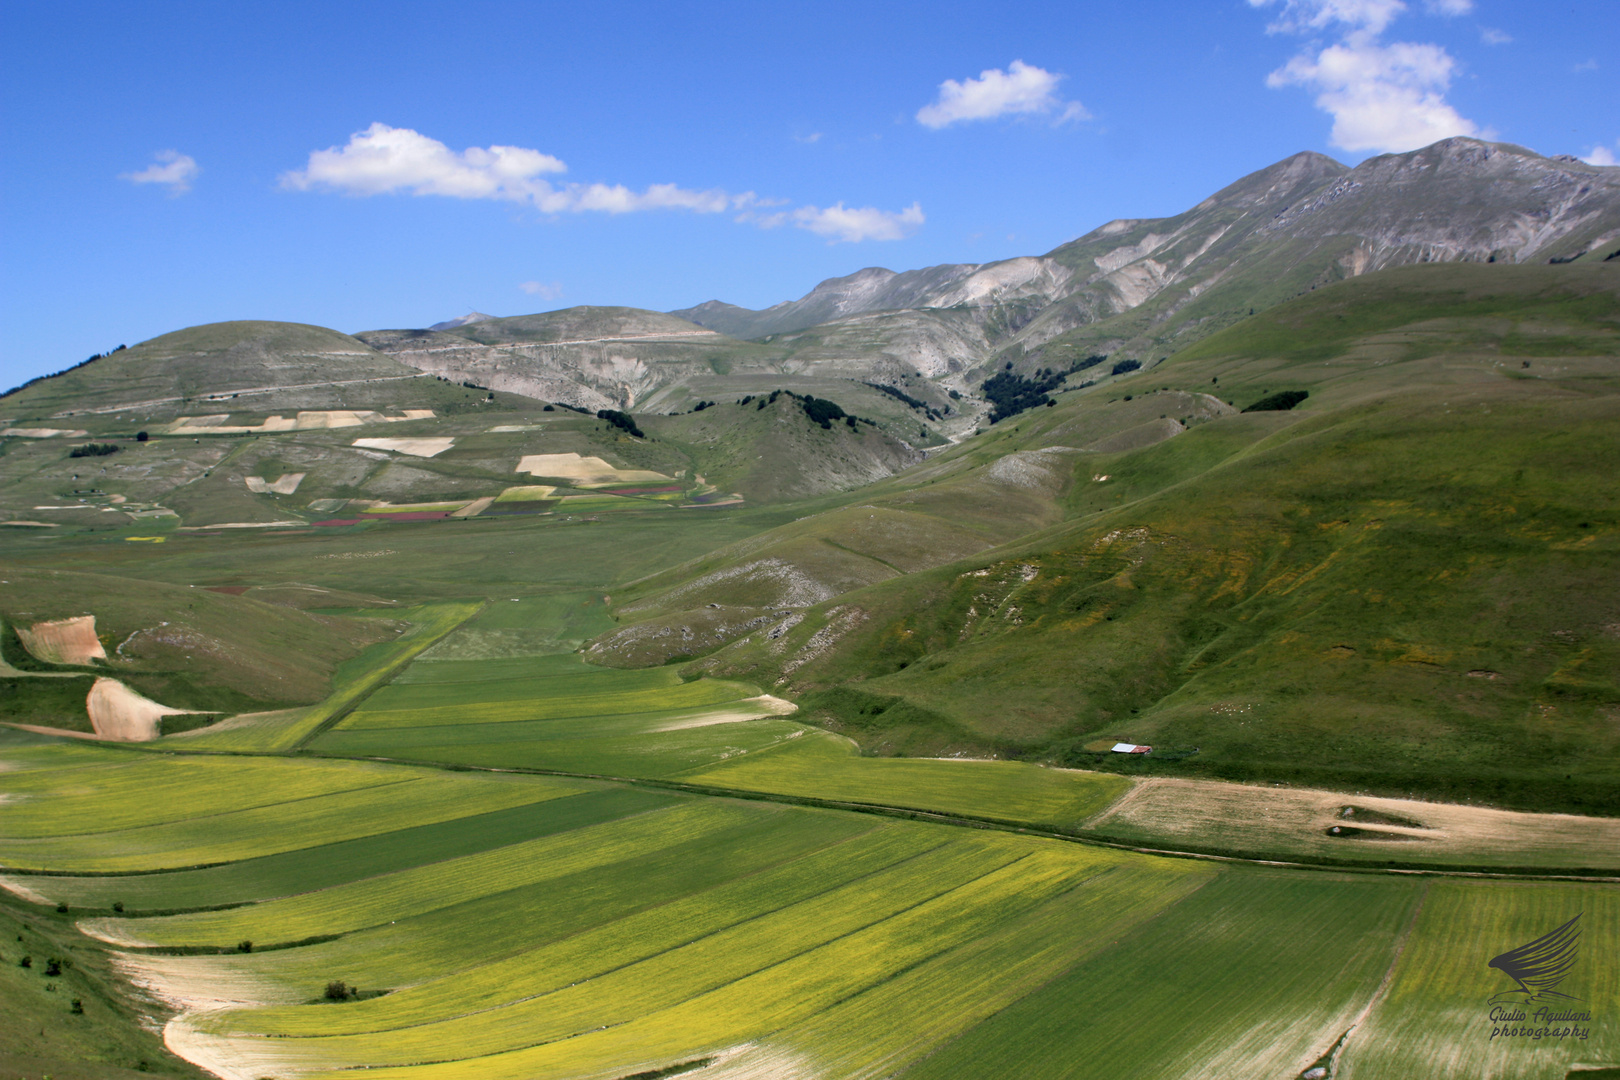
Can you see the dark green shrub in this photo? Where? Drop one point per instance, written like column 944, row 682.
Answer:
column 1279, row 402
column 95, row 449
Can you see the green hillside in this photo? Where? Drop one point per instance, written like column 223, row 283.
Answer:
column 304, row 366
column 1403, row 584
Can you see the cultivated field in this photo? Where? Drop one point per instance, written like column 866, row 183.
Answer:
column 523, row 926
column 826, row 766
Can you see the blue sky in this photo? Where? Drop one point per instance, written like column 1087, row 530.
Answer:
column 168, row 164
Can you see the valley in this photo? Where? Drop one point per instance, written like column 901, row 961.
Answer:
column 607, row 693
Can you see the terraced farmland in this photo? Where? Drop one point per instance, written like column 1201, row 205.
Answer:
column 507, row 925
column 599, row 930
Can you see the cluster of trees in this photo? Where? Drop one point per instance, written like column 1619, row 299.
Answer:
column 621, row 420
column 1010, row 393
column 95, row 449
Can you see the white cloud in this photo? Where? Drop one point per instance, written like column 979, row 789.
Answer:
column 813, row 137
column 383, row 159
column 1586, row 65
column 1601, row 155
column 1387, row 98
column 1382, row 97
column 543, row 290
column 1021, row 89
column 1491, row 36
column 173, row 169
column 387, row 160
column 851, row 225
column 1304, row 16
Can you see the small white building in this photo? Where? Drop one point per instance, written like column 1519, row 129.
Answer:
column 1131, row 748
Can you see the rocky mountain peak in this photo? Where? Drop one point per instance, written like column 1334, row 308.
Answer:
column 465, row 320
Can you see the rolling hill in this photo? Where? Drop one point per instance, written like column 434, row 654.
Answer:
column 1405, row 583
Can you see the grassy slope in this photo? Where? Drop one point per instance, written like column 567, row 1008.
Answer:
column 1301, row 596
column 186, row 647
column 43, row 1036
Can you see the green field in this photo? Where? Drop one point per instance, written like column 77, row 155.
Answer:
column 597, row 929
column 554, row 711
column 825, row 766
column 1443, row 990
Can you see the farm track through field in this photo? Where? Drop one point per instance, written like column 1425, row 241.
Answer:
column 957, row 820
column 1336, row 1051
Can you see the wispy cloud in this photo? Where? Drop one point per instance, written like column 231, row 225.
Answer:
column 851, row 225
column 544, row 290
column 1305, row 16
column 171, row 168
column 383, row 160
column 1023, row 89
column 1382, row 97
column 813, row 137
column 1585, row 66
column 1492, row 36
column 1448, row 7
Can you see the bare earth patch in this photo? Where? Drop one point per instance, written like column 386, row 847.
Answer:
column 231, row 1059
column 63, row 641
column 753, row 708
column 307, row 420
column 117, row 712
column 17, row 888
column 43, row 432
column 584, row 471
column 421, row 447
column 285, row 484
column 1166, row 811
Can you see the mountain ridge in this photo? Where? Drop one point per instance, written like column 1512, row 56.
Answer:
column 1136, row 286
